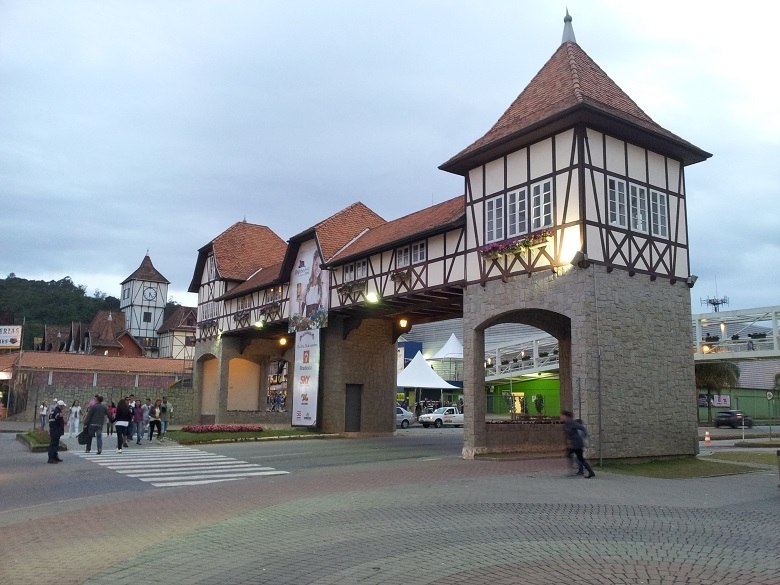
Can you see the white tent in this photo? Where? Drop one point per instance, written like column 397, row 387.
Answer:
column 451, row 350
column 419, row 374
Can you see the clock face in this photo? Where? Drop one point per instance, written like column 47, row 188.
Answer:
column 150, row 294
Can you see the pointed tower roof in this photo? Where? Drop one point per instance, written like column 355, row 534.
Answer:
column 570, row 89
column 146, row 271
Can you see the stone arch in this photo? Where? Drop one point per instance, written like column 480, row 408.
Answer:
column 477, row 436
column 206, row 376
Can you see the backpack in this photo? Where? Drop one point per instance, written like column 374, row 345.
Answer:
column 583, row 434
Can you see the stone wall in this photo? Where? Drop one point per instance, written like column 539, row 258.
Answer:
column 626, row 359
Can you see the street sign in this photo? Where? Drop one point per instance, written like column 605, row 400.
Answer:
column 770, row 395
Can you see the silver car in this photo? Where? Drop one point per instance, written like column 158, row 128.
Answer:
column 403, row 418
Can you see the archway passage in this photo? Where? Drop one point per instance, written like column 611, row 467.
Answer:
column 521, row 432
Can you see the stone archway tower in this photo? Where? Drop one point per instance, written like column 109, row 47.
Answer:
column 577, row 223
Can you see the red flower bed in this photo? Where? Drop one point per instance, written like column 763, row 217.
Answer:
column 222, row 428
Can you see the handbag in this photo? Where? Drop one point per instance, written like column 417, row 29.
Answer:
column 82, row 437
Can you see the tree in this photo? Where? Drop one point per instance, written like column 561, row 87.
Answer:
column 715, row 376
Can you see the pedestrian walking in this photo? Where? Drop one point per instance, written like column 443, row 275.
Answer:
column 122, row 423
column 166, row 413
column 111, row 418
column 43, row 415
column 74, row 419
column 575, row 441
column 138, row 422
column 154, row 420
column 93, row 422
column 56, row 430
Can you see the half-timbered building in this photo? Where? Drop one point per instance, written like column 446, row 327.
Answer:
column 573, row 220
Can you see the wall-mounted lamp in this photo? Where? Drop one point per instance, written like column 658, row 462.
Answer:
column 372, row 297
column 259, row 323
column 691, row 280
column 403, row 323
column 580, row 260
column 282, row 341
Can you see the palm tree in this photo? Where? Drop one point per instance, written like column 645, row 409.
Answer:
column 714, row 376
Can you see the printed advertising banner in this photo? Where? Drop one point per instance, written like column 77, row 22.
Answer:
column 306, row 378
column 308, row 290
column 10, row 336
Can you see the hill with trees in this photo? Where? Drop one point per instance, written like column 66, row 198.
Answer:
column 37, row 303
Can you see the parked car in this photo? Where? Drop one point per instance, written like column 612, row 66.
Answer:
column 403, row 418
column 446, row 415
column 733, row 419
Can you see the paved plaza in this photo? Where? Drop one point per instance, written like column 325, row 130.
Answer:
column 432, row 519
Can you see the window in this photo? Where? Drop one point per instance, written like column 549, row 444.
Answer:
column 516, row 213
column 418, row 252
column 494, row 219
column 541, row 205
column 616, row 202
column 189, row 340
column 638, row 208
column 659, row 217
column 126, row 293
column 211, row 268
column 349, row 272
column 361, row 270
column 147, row 316
column 402, row 257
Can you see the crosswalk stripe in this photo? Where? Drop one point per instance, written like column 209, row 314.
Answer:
column 175, row 465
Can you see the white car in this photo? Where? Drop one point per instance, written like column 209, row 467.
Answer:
column 403, row 418
column 446, row 415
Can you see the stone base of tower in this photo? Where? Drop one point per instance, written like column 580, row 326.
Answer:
column 626, row 364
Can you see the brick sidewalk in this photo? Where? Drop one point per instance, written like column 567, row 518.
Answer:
column 437, row 521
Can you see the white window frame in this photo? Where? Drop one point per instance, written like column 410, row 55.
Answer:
column 402, row 256
column 659, row 214
column 541, row 205
column 418, row 252
column 494, row 219
column 361, row 269
column 349, row 272
column 517, row 212
column 638, row 206
column 616, row 202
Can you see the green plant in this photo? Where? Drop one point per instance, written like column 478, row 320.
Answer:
column 539, row 403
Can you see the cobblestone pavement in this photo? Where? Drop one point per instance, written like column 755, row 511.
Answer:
column 440, row 522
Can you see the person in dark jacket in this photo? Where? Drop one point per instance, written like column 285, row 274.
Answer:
column 56, row 430
column 93, row 422
column 122, row 423
column 575, row 441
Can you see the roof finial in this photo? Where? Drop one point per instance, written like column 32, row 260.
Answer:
column 568, row 30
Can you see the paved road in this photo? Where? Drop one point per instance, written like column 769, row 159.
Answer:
column 402, row 509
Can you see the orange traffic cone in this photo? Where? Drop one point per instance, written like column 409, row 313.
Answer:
column 707, row 440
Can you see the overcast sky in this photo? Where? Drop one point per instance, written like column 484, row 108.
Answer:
column 155, row 125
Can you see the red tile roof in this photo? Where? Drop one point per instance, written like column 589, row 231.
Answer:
column 244, row 247
column 413, row 226
column 261, row 279
column 239, row 252
column 343, row 227
column 178, row 320
column 146, row 271
column 569, row 80
column 45, row 360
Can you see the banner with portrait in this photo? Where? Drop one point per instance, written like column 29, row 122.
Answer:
column 309, row 292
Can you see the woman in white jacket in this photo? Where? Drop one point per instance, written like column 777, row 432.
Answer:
column 74, row 419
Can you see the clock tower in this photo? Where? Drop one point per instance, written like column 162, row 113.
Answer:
column 143, row 299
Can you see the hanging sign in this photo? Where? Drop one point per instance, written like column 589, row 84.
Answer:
column 10, row 336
